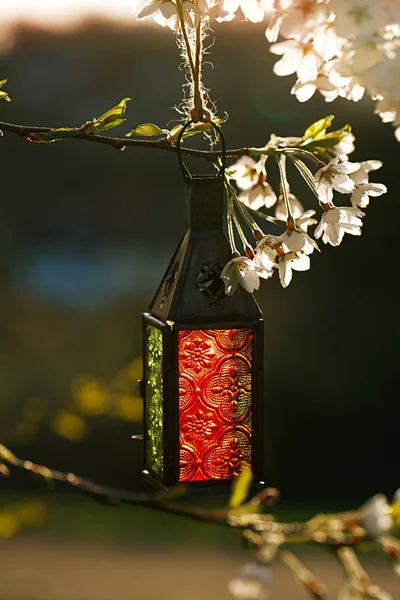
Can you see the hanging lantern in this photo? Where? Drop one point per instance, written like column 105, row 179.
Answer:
column 203, row 356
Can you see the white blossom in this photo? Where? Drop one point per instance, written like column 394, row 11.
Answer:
column 345, row 147
column 354, row 90
column 388, row 108
column 164, row 12
column 240, row 270
column 341, row 75
column 290, row 261
column 296, row 241
column 253, row 10
column 276, row 251
column 383, row 82
column 360, row 196
column 334, row 175
column 364, row 189
column 376, row 516
column 295, row 18
column 251, row 582
column 217, row 11
column 296, row 207
column 265, row 257
column 326, row 40
column 246, row 172
column 305, row 90
column 359, row 17
column 260, row 195
column 297, row 57
column 166, row 8
column 305, row 220
column 365, row 55
column 366, row 166
column 245, row 589
column 251, row 177
column 337, row 47
column 337, row 221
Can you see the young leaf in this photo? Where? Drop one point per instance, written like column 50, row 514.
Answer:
column 111, row 118
column 173, row 135
column 4, row 95
column 52, row 136
column 326, row 142
column 329, row 140
column 147, row 130
column 317, row 130
column 240, row 487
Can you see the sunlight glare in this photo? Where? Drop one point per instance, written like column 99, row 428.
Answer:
column 64, row 13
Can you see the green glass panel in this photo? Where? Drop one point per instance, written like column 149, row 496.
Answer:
column 154, row 400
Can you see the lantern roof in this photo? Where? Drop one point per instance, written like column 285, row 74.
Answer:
column 192, row 290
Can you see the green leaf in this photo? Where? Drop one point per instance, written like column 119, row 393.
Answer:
column 317, row 130
column 53, row 135
column 240, row 487
column 329, row 140
column 111, row 118
column 4, row 95
column 173, row 135
column 326, row 142
column 147, row 130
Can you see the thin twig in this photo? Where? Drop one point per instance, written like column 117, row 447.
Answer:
column 305, row 577
column 112, row 496
column 24, row 131
column 243, row 239
column 285, row 188
column 231, row 234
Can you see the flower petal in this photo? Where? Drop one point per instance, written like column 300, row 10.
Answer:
column 289, row 63
column 303, row 91
column 324, row 191
column 249, row 280
column 308, row 67
column 302, row 263
column 285, row 273
column 343, row 184
column 319, row 229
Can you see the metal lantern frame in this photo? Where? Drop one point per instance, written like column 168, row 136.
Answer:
column 241, row 313
column 170, row 400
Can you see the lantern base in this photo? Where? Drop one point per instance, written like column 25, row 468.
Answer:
column 202, row 488
column 153, row 481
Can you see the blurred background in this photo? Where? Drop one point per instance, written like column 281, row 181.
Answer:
column 86, row 233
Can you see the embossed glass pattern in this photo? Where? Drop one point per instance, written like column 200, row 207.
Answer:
column 214, row 402
column 154, row 400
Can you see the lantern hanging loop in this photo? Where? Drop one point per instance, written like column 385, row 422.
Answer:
column 185, row 171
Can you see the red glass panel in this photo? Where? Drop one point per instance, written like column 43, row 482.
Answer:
column 214, row 402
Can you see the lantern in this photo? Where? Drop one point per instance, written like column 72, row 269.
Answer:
column 202, row 367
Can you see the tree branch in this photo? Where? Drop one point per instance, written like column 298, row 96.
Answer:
column 121, row 143
column 338, row 530
column 160, row 501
